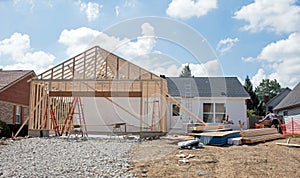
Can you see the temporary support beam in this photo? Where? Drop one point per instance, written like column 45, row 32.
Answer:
column 24, row 123
column 185, row 109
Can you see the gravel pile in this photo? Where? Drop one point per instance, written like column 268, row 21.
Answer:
column 58, row 157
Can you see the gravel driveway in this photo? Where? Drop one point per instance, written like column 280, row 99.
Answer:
column 58, row 157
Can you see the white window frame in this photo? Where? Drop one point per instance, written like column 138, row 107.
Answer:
column 213, row 112
column 18, row 114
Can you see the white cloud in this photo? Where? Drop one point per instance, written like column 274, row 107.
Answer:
column 281, row 58
column 185, row 9
column 143, row 44
column 78, row 40
column 226, row 44
column 158, row 63
column 248, row 59
column 17, row 50
column 139, row 51
column 117, row 10
column 209, row 68
column 130, row 3
column 91, row 9
column 257, row 78
column 278, row 16
column 282, row 50
column 25, row 4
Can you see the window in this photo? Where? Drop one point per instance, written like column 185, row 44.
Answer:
column 175, row 110
column 18, row 114
column 214, row 112
column 208, row 111
column 220, row 112
column 285, row 113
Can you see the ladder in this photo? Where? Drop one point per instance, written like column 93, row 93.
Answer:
column 76, row 105
column 188, row 95
column 54, row 123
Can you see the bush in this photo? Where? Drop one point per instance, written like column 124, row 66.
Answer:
column 4, row 130
column 250, row 113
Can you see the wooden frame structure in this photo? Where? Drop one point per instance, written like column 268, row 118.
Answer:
column 93, row 73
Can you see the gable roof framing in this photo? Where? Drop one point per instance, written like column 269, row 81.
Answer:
column 92, row 73
column 96, row 64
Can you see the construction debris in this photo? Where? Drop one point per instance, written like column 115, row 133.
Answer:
column 288, row 144
column 183, row 161
column 234, row 141
column 184, row 158
column 190, row 144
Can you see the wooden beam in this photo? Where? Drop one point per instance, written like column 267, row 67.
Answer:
column 185, row 109
column 25, row 122
column 95, row 94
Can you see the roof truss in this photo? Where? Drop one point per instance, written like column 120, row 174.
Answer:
column 96, row 64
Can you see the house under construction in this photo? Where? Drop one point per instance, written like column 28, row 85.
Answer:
column 79, row 90
column 99, row 90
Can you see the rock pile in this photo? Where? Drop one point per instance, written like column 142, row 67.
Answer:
column 58, row 157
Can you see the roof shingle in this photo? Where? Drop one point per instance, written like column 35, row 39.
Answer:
column 7, row 77
column 292, row 99
column 206, row 87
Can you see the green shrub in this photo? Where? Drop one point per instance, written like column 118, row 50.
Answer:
column 4, row 130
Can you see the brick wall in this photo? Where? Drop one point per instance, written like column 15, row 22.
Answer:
column 7, row 112
column 18, row 93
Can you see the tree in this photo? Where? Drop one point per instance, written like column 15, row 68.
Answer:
column 253, row 102
column 267, row 89
column 186, row 71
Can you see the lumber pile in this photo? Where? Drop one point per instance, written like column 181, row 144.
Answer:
column 206, row 127
column 260, row 135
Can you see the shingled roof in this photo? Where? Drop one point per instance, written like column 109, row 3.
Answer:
column 9, row 77
column 291, row 100
column 206, row 87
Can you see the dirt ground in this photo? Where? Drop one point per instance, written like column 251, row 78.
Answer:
column 158, row 158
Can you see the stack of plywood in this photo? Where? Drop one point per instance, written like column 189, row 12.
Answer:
column 260, row 135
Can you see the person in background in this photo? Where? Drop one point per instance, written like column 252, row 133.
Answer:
column 273, row 119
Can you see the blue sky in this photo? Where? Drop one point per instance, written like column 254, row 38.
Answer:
column 258, row 38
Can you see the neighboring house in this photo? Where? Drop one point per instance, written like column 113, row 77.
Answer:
column 212, row 99
column 290, row 105
column 270, row 105
column 14, row 96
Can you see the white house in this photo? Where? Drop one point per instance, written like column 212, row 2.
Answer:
column 210, row 98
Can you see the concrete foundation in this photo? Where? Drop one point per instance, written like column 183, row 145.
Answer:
column 38, row 133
